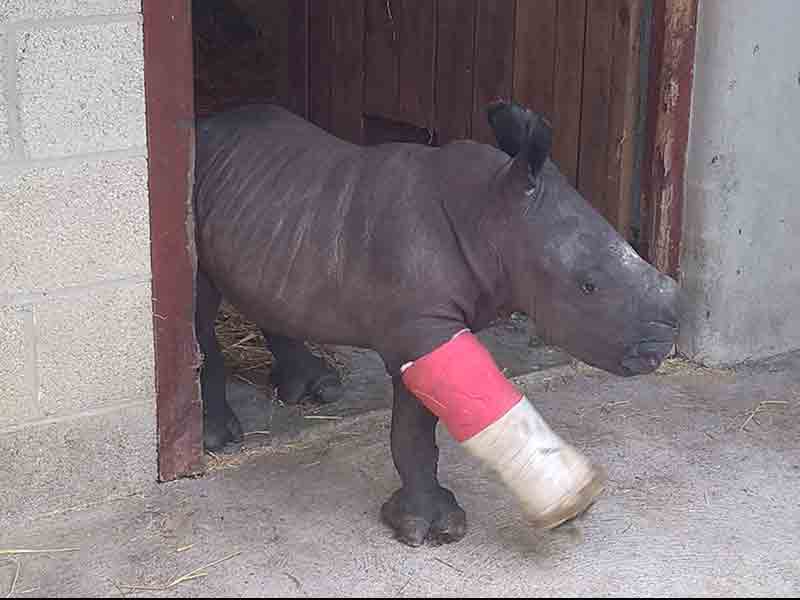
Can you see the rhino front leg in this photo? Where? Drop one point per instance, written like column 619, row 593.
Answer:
column 297, row 373
column 421, row 509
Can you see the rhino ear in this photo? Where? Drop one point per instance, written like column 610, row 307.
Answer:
column 518, row 130
column 509, row 121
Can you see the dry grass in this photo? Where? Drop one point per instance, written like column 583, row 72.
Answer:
column 761, row 406
column 217, row 462
column 197, row 573
column 43, row 551
column 244, row 349
column 14, row 581
column 680, row 366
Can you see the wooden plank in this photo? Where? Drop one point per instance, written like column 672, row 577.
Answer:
column 381, row 61
column 534, row 54
column 454, row 72
column 347, row 81
column 297, row 57
column 596, row 106
column 320, row 65
column 401, row 51
column 624, row 94
column 567, row 79
column 669, row 105
column 416, row 60
column 169, row 95
column 494, row 55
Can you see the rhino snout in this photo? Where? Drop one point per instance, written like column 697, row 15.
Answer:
column 647, row 355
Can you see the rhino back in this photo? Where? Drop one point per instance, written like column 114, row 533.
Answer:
column 317, row 238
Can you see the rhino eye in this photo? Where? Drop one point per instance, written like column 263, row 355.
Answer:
column 588, row 288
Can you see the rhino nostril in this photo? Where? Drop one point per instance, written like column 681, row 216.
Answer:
column 645, row 357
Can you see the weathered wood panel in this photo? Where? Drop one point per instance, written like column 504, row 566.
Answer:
column 494, row 61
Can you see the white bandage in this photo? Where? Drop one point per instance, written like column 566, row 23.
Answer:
column 552, row 480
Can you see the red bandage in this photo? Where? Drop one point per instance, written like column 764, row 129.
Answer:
column 460, row 383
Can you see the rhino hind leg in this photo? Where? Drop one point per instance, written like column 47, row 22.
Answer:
column 421, row 510
column 298, row 373
column 220, row 425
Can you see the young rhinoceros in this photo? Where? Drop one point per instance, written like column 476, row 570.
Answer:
column 408, row 250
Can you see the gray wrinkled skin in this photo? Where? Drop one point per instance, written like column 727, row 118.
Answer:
column 399, row 246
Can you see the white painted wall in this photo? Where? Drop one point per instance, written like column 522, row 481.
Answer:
column 77, row 390
column 741, row 244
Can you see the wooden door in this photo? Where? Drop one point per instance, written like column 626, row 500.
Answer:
column 424, row 71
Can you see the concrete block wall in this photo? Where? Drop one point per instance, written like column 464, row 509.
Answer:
column 741, row 238
column 77, row 397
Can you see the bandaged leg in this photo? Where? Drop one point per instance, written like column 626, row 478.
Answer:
column 461, row 384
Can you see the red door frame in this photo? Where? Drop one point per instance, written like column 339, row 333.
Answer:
column 169, row 92
column 169, row 89
column 669, row 96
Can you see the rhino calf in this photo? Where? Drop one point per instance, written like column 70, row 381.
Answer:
column 408, row 250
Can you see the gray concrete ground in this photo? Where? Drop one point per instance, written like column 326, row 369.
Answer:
column 704, row 469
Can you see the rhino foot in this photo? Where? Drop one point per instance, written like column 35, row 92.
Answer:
column 299, row 374
column 220, row 430
column 433, row 516
column 322, row 388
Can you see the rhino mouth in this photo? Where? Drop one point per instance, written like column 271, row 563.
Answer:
column 647, row 355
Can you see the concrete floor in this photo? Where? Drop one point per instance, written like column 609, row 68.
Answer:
column 703, row 500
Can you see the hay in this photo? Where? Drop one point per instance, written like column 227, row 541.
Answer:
column 244, row 349
column 217, row 462
column 677, row 365
column 447, row 564
column 197, row 573
column 262, row 432
column 43, row 551
column 607, row 407
column 323, row 417
column 758, row 408
column 16, row 577
column 246, row 355
column 294, row 580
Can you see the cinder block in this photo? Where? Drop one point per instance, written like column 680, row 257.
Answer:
column 67, row 464
column 81, row 88
column 73, row 225
column 95, row 350
column 16, row 385
column 5, row 142
column 16, row 10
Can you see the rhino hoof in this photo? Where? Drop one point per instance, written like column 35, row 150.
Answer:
column 434, row 517
column 217, row 434
column 322, row 388
column 327, row 389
